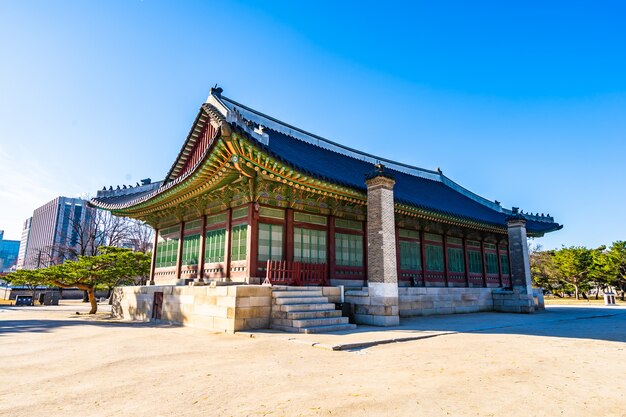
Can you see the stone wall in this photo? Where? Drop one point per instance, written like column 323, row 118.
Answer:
column 515, row 301
column 221, row 308
column 425, row 301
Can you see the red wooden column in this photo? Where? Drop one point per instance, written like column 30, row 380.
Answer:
column 253, row 241
column 466, row 260
column 330, row 233
column 288, row 248
column 365, row 253
column 228, row 242
column 202, row 247
column 154, row 254
column 423, row 254
column 482, row 254
column 445, row 259
column 179, row 254
column 508, row 255
column 499, row 261
column 398, row 255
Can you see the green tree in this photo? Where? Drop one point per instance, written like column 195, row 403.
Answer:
column 617, row 260
column 543, row 270
column 114, row 266
column 31, row 278
column 601, row 271
column 574, row 265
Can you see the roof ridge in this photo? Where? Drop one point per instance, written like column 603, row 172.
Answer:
column 401, row 166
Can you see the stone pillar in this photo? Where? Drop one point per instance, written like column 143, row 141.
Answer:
column 382, row 270
column 518, row 253
column 520, row 299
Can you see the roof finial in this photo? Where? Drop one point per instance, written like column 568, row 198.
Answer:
column 216, row 91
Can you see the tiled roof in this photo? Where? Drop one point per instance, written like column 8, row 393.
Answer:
column 328, row 160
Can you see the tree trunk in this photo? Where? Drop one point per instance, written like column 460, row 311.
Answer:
column 92, row 299
column 576, row 292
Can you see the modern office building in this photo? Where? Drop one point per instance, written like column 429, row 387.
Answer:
column 8, row 253
column 21, row 256
column 54, row 231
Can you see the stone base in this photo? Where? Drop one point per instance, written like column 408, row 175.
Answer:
column 376, row 304
column 222, row 308
column 426, row 301
column 374, row 320
column 514, row 301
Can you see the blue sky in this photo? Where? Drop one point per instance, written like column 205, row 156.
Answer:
column 523, row 102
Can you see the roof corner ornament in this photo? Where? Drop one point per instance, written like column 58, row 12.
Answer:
column 516, row 215
column 439, row 170
column 379, row 171
column 216, row 91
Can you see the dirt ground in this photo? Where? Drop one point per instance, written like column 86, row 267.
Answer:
column 55, row 363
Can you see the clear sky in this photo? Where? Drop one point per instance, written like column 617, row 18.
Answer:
column 523, row 102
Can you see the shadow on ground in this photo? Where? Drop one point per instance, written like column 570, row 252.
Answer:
column 14, row 325
column 569, row 322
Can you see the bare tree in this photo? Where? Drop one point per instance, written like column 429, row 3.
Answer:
column 140, row 236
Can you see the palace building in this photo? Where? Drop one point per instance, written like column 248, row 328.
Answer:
column 250, row 199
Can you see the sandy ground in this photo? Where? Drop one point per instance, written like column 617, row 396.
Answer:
column 559, row 363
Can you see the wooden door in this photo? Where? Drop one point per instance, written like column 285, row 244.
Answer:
column 157, row 306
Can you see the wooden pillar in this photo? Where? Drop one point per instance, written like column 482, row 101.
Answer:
column 398, row 254
column 423, row 254
column 179, row 253
column 252, row 245
column 482, row 254
column 154, row 254
column 228, row 242
column 466, row 259
column 288, row 245
column 499, row 261
column 445, row 259
column 202, row 249
column 330, row 230
column 508, row 256
column 366, row 254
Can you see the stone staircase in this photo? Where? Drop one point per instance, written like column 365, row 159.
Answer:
column 305, row 310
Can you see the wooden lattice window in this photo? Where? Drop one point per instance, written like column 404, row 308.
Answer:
column 238, row 244
column 309, row 245
column 167, row 247
column 410, row 257
column 504, row 260
column 191, row 249
column 270, row 242
column 348, row 250
column 474, row 257
column 214, row 245
column 434, row 252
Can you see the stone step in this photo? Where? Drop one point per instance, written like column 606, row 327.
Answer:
column 315, row 329
column 311, row 314
column 305, row 307
column 289, row 294
column 324, row 321
column 292, row 288
column 301, row 300
column 309, row 322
